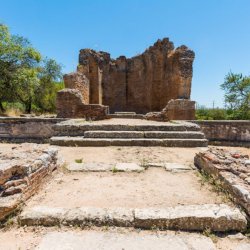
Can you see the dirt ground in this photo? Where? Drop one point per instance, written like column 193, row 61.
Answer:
column 128, row 154
column 153, row 188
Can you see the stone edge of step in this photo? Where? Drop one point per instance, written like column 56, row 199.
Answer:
column 126, row 167
column 218, row 218
column 146, row 142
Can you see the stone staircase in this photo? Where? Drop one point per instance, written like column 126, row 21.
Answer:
column 127, row 132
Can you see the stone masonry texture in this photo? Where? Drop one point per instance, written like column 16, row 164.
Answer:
column 232, row 169
column 22, row 170
column 80, row 82
column 70, row 104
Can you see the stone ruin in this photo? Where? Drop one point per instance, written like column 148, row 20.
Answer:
column 157, row 82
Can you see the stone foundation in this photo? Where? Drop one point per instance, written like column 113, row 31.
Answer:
column 70, row 104
column 21, row 173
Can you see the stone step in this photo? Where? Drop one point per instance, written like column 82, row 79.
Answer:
column 146, row 142
column 106, row 240
column 144, row 134
column 217, row 218
column 74, row 128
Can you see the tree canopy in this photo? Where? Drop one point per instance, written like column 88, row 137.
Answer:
column 237, row 95
column 25, row 76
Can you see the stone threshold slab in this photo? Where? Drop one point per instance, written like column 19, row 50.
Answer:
column 130, row 241
column 218, row 218
column 125, row 167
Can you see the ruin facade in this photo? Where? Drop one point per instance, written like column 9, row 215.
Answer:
column 144, row 83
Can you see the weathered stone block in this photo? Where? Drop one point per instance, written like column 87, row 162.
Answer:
column 70, row 104
column 181, row 109
column 79, row 81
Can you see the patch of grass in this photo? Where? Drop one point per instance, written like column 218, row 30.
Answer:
column 11, row 219
column 216, row 185
column 114, row 170
column 144, row 163
column 79, row 160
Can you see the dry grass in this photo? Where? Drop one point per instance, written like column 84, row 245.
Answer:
column 13, row 112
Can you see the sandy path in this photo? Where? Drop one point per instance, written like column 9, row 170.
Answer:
column 153, row 188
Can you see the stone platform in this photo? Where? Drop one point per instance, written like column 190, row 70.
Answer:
column 128, row 132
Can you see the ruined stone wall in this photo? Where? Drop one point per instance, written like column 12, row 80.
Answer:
column 142, row 83
column 69, row 104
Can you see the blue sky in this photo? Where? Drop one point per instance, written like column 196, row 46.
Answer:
column 217, row 30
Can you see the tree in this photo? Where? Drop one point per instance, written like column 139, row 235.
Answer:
column 24, row 77
column 18, row 68
column 237, row 95
column 50, row 78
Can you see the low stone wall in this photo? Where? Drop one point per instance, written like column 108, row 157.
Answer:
column 70, row 104
column 226, row 133
column 26, row 129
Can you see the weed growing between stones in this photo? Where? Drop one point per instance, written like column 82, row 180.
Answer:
column 210, row 234
column 215, row 184
column 114, row 169
column 10, row 220
column 144, row 163
column 79, row 160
